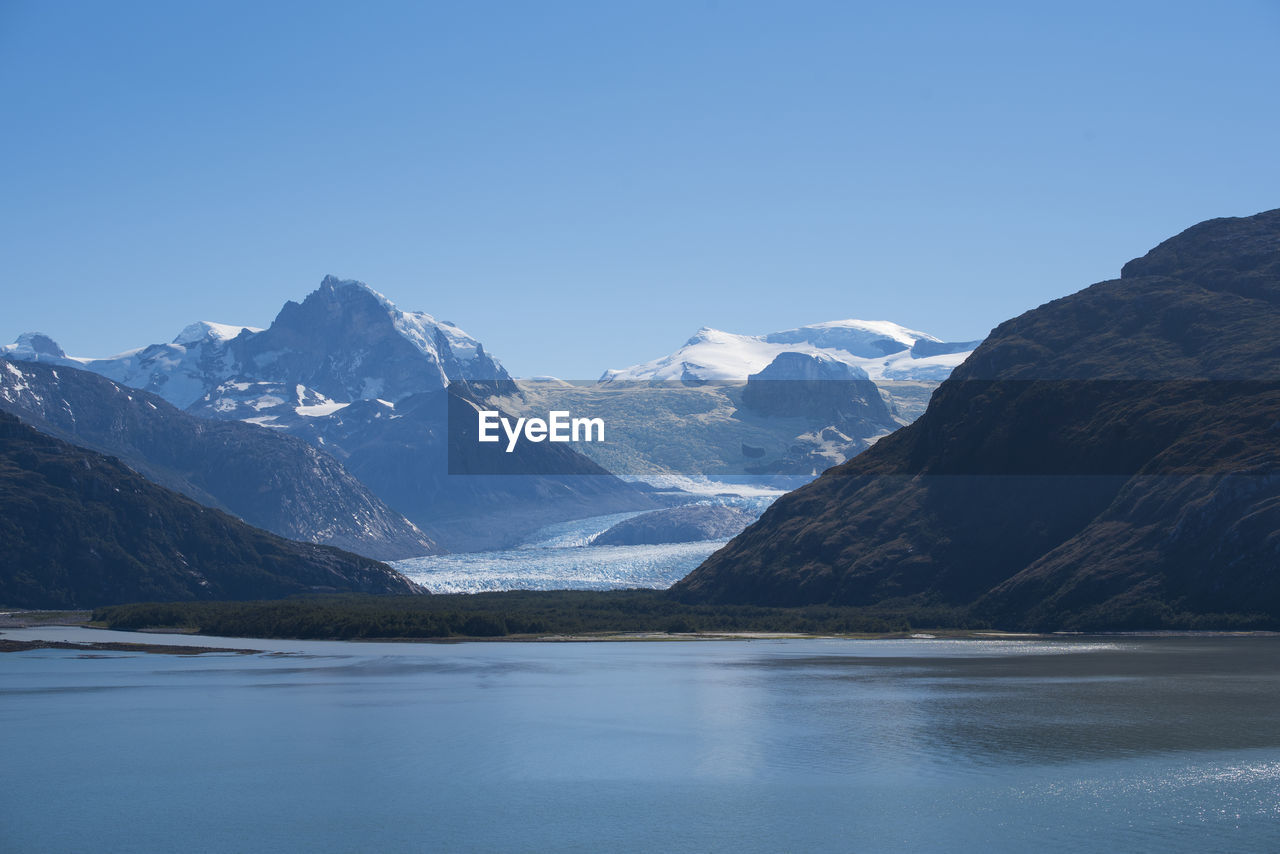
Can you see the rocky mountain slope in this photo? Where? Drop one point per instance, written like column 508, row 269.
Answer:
column 269, row 479
column 1108, row 460
column 79, row 529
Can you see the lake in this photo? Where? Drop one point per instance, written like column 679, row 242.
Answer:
column 1078, row 744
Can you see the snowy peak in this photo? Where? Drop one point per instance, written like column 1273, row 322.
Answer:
column 208, row 330
column 884, row 350
column 434, row 338
column 38, row 347
column 349, row 342
column 707, row 335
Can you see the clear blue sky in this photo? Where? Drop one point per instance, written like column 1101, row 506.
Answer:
column 583, row 185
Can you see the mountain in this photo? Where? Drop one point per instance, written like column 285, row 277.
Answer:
column 270, row 480
column 1108, row 460
column 370, row 385
column 883, row 350
column 344, row 342
column 79, row 529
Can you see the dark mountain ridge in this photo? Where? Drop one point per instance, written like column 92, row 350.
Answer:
column 1108, row 460
column 79, row 529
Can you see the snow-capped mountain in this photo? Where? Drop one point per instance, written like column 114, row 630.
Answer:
column 883, row 350
column 347, row 342
column 344, row 342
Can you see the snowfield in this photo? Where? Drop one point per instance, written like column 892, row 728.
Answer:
column 884, row 350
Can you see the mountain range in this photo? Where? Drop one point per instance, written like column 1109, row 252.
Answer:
column 1110, row 459
column 371, row 386
column 351, row 423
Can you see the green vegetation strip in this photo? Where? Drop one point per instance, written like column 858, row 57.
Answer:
column 512, row 613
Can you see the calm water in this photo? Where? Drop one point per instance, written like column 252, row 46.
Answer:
column 1151, row 744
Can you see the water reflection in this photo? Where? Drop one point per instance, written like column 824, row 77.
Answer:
column 1128, row 744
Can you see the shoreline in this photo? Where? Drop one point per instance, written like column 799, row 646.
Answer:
column 162, row 644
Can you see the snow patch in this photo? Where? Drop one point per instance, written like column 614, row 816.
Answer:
column 319, row 410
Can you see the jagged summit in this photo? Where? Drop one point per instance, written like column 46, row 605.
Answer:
column 355, row 288
column 332, row 282
column 349, row 342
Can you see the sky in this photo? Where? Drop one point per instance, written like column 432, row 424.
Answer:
column 582, row 185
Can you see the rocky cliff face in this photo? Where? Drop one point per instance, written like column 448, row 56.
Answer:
column 269, row 479
column 1110, row 459
column 79, row 529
